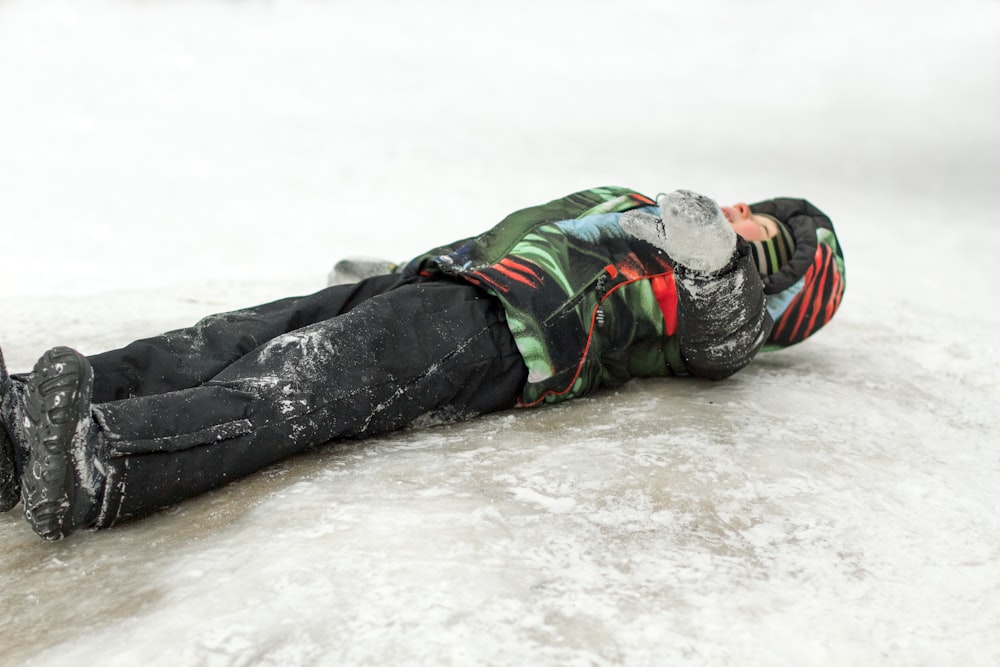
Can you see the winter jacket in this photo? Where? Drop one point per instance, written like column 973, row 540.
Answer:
column 588, row 304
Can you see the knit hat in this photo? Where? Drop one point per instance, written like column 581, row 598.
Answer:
column 771, row 254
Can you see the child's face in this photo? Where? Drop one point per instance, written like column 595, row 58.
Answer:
column 751, row 227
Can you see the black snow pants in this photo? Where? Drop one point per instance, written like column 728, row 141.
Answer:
column 193, row 409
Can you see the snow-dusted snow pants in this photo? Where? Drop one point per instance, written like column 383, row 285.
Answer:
column 193, row 409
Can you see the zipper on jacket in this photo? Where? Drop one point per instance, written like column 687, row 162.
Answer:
column 568, row 305
column 602, row 289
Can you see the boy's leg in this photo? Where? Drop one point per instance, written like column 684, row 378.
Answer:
column 429, row 350
column 185, row 358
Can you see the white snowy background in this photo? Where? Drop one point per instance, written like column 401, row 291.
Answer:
column 833, row 504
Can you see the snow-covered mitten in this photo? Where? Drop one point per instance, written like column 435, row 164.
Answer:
column 691, row 229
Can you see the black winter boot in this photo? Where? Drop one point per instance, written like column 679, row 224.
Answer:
column 10, row 485
column 63, row 478
column 10, row 482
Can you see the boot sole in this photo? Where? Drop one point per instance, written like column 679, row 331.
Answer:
column 56, row 402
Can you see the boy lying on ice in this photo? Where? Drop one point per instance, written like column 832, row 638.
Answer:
column 556, row 301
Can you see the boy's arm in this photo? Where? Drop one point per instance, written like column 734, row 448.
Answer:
column 490, row 246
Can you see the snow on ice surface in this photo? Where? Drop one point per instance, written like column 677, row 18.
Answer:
column 836, row 503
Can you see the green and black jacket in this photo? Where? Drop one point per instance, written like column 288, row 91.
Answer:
column 588, row 304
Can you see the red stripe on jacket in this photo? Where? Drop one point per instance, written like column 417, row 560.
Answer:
column 670, row 320
column 665, row 291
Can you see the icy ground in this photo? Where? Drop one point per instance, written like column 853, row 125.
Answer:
column 834, row 504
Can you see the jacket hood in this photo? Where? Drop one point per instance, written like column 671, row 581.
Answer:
column 807, row 290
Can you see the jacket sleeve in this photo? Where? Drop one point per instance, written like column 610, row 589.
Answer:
column 492, row 245
column 722, row 319
column 807, row 291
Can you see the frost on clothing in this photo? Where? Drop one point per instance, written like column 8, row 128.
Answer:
column 589, row 304
column 348, row 362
